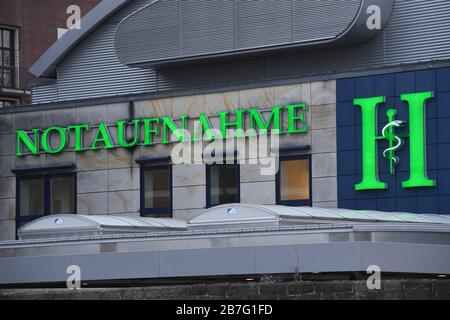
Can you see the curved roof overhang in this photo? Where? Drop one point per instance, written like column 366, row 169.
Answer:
column 164, row 33
column 355, row 32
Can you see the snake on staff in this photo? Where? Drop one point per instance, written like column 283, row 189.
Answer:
column 389, row 152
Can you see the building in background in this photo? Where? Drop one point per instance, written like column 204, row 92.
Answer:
column 27, row 29
column 361, row 110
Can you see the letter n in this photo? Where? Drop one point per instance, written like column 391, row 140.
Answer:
column 24, row 139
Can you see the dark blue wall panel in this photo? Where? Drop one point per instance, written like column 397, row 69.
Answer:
column 443, row 80
column 349, row 158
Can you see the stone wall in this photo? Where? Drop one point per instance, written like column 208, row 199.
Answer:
column 303, row 290
column 108, row 180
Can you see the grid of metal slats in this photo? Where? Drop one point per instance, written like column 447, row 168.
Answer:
column 418, row 31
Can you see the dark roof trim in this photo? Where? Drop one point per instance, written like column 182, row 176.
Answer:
column 153, row 160
column 220, row 88
column 295, row 148
column 58, row 167
column 47, row 63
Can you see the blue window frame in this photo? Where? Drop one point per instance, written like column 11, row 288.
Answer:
column 156, row 191
column 222, row 184
column 39, row 195
column 293, row 181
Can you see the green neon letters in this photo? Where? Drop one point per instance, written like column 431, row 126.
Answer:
column 102, row 137
column 238, row 124
column 370, row 180
column 150, row 131
column 78, row 135
column 202, row 128
column 294, row 118
column 24, row 139
column 62, row 140
column 122, row 134
column 170, row 125
column 417, row 103
column 417, row 171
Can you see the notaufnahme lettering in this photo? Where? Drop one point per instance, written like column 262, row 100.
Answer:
column 55, row 140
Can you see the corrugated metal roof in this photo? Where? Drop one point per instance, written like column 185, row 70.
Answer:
column 417, row 32
column 244, row 214
column 46, row 65
column 169, row 31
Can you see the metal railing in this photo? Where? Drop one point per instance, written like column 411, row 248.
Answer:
column 231, row 231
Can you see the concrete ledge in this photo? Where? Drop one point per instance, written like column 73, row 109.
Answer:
column 411, row 289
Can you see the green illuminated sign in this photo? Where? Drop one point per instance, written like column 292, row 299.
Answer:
column 144, row 131
column 417, row 103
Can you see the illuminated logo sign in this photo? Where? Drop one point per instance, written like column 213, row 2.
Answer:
column 417, row 103
column 145, row 132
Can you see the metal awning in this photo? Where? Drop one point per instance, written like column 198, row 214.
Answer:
column 233, row 239
column 68, row 225
column 230, row 215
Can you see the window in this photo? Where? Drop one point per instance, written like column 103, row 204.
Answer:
column 222, row 185
column 31, row 196
column 294, row 181
column 62, row 191
column 46, row 194
column 7, row 58
column 8, row 102
column 156, row 191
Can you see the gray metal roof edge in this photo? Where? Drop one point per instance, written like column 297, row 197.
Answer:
column 121, row 22
column 409, row 258
column 82, row 217
column 178, row 234
column 132, row 97
column 45, row 66
column 356, row 32
column 183, row 234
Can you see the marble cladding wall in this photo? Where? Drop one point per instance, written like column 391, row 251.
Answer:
column 108, row 181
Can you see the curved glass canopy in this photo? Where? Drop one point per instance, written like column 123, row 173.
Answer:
column 248, row 213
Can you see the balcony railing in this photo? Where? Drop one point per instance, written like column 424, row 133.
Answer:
column 15, row 78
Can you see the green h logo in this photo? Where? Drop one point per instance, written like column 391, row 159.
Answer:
column 417, row 103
